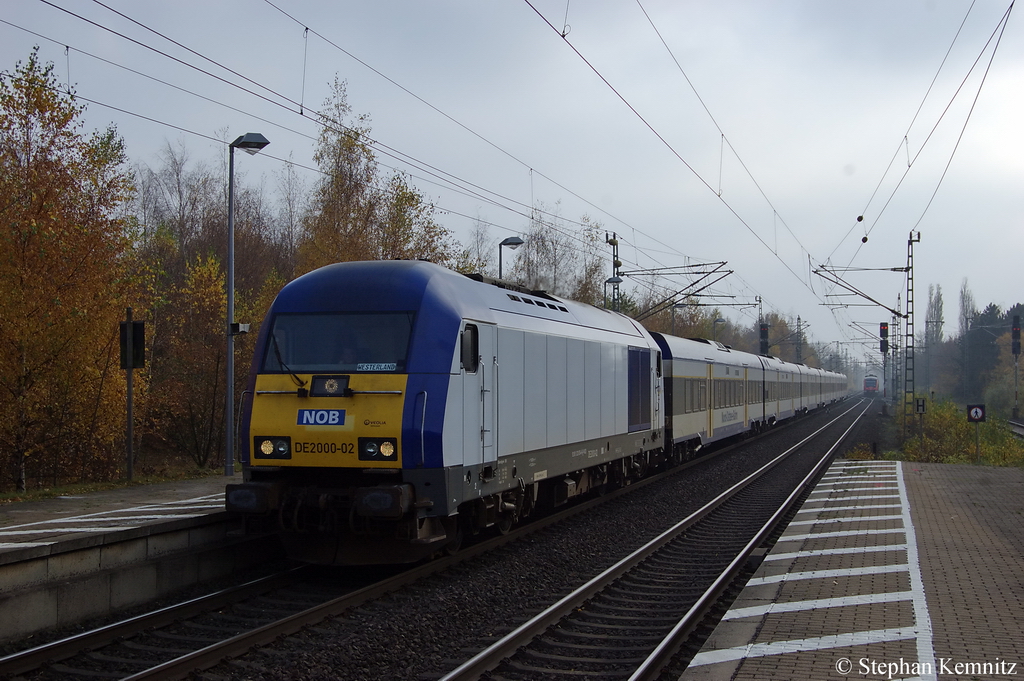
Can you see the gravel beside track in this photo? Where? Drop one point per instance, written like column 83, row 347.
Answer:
column 426, row 630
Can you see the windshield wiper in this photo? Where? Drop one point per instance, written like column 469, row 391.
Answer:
column 277, row 353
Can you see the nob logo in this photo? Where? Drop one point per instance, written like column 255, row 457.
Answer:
column 374, row 424
column 321, row 417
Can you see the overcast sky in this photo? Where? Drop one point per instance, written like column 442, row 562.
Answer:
column 820, row 105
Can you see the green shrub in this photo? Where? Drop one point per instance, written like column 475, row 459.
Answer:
column 947, row 437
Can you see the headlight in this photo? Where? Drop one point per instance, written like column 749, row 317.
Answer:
column 329, row 386
column 272, row 447
column 378, row 448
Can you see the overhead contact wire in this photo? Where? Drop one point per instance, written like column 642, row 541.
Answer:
column 668, row 145
column 465, row 127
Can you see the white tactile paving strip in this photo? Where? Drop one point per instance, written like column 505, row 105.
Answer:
column 851, row 493
column 47, row 532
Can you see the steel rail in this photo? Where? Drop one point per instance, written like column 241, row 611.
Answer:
column 491, row 657
column 55, row 651
column 63, row 649
column 662, row 655
column 216, row 653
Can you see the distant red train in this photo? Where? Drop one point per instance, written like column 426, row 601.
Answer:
column 871, row 384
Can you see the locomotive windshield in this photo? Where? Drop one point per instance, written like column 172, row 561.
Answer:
column 338, row 342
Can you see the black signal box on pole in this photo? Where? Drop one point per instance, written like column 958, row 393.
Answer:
column 883, row 333
column 135, row 337
column 1015, row 335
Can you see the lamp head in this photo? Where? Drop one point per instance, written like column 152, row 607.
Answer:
column 250, row 142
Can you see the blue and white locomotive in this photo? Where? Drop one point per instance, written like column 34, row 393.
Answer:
column 396, row 406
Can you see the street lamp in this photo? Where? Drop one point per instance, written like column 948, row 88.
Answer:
column 512, row 242
column 714, row 328
column 250, row 143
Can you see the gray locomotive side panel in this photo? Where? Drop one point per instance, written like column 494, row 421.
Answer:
column 554, row 391
column 511, row 391
column 556, row 376
column 534, row 392
column 575, row 371
column 557, row 390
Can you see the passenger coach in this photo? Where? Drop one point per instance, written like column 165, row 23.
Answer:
column 714, row 392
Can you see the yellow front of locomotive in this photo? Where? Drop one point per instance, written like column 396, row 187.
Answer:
column 331, row 420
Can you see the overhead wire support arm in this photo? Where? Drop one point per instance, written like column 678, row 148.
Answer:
column 669, row 301
column 830, row 276
column 739, row 305
column 676, row 270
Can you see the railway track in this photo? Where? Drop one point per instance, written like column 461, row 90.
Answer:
column 629, row 621
column 180, row 640
column 175, row 641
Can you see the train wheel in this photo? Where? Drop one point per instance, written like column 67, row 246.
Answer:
column 506, row 521
column 640, row 466
column 453, row 527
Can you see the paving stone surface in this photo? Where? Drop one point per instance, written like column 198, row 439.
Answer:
column 850, row 591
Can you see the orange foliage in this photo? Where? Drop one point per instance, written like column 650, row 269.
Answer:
column 65, row 280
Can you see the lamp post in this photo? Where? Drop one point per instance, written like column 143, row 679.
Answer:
column 251, row 143
column 714, row 328
column 676, row 305
column 614, row 281
column 512, row 242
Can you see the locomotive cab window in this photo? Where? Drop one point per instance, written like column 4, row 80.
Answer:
column 470, row 349
column 338, row 342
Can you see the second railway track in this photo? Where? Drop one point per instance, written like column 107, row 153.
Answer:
column 628, row 622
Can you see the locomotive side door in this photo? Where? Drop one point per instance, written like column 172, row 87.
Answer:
column 712, row 396
column 488, row 401
column 479, row 368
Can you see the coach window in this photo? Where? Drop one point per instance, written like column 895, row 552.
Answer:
column 470, row 349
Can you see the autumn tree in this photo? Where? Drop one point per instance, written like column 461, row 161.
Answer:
column 291, row 210
column 344, row 201
column 480, row 251
column 561, row 258
column 930, row 341
column 356, row 214
column 65, row 280
column 406, row 229
column 189, row 375
column 780, row 333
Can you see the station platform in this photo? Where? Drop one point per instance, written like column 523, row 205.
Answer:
column 890, row 570
column 68, row 559
column 73, row 518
